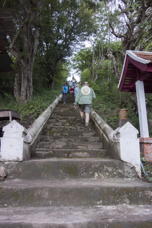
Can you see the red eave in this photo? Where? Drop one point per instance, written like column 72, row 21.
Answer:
column 136, row 68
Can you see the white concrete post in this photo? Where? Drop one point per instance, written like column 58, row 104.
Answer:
column 129, row 145
column 12, row 142
column 142, row 112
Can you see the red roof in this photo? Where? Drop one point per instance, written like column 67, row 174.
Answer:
column 137, row 66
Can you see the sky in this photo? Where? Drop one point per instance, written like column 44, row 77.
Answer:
column 75, row 74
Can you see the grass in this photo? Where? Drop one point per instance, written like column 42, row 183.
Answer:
column 108, row 110
column 31, row 110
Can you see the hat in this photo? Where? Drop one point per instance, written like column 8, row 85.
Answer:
column 86, row 83
column 85, row 90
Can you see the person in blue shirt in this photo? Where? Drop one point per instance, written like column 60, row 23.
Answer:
column 65, row 90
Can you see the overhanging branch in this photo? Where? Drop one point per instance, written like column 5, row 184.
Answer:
column 118, row 35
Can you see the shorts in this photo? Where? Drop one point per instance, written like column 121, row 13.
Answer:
column 85, row 107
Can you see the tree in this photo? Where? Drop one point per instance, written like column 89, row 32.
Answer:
column 92, row 61
column 24, row 47
column 130, row 23
column 65, row 23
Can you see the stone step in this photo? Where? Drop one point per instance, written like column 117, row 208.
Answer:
column 54, row 132
column 74, row 192
column 44, row 144
column 66, row 114
column 57, row 115
column 70, row 118
column 47, row 138
column 70, row 168
column 62, row 124
column 43, row 140
column 67, row 144
column 67, row 108
column 69, row 153
column 67, row 128
column 120, row 216
column 70, row 112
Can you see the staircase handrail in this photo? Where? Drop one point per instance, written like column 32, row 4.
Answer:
column 108, row 132
column 33, row 131
column 17, row 141
column 121, row 143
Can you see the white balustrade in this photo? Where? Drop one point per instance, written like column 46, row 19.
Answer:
column 129, row 145
column 12, row 142
column 16, row 140
column 122, row 143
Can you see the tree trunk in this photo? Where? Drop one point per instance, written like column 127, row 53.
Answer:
column 23, row 87
column 17, row 85
column 25, row 51
column 26, row 84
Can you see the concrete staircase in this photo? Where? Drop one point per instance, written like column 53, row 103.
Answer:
column 71, row 182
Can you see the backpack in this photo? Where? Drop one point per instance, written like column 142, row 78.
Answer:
column 65, row 89
column 85, row 90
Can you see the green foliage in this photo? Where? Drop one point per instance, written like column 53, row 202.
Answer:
column 86, row 74
column 109, row 102
column 83, row 59
column 104, row 82
column 9, row 4
column 148, row 47
column 107, row 110
column 33, row 108
column 56, row 26
column 130, row 23
column 63, row 24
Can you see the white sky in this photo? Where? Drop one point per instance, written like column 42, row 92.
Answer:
column 75, row 74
